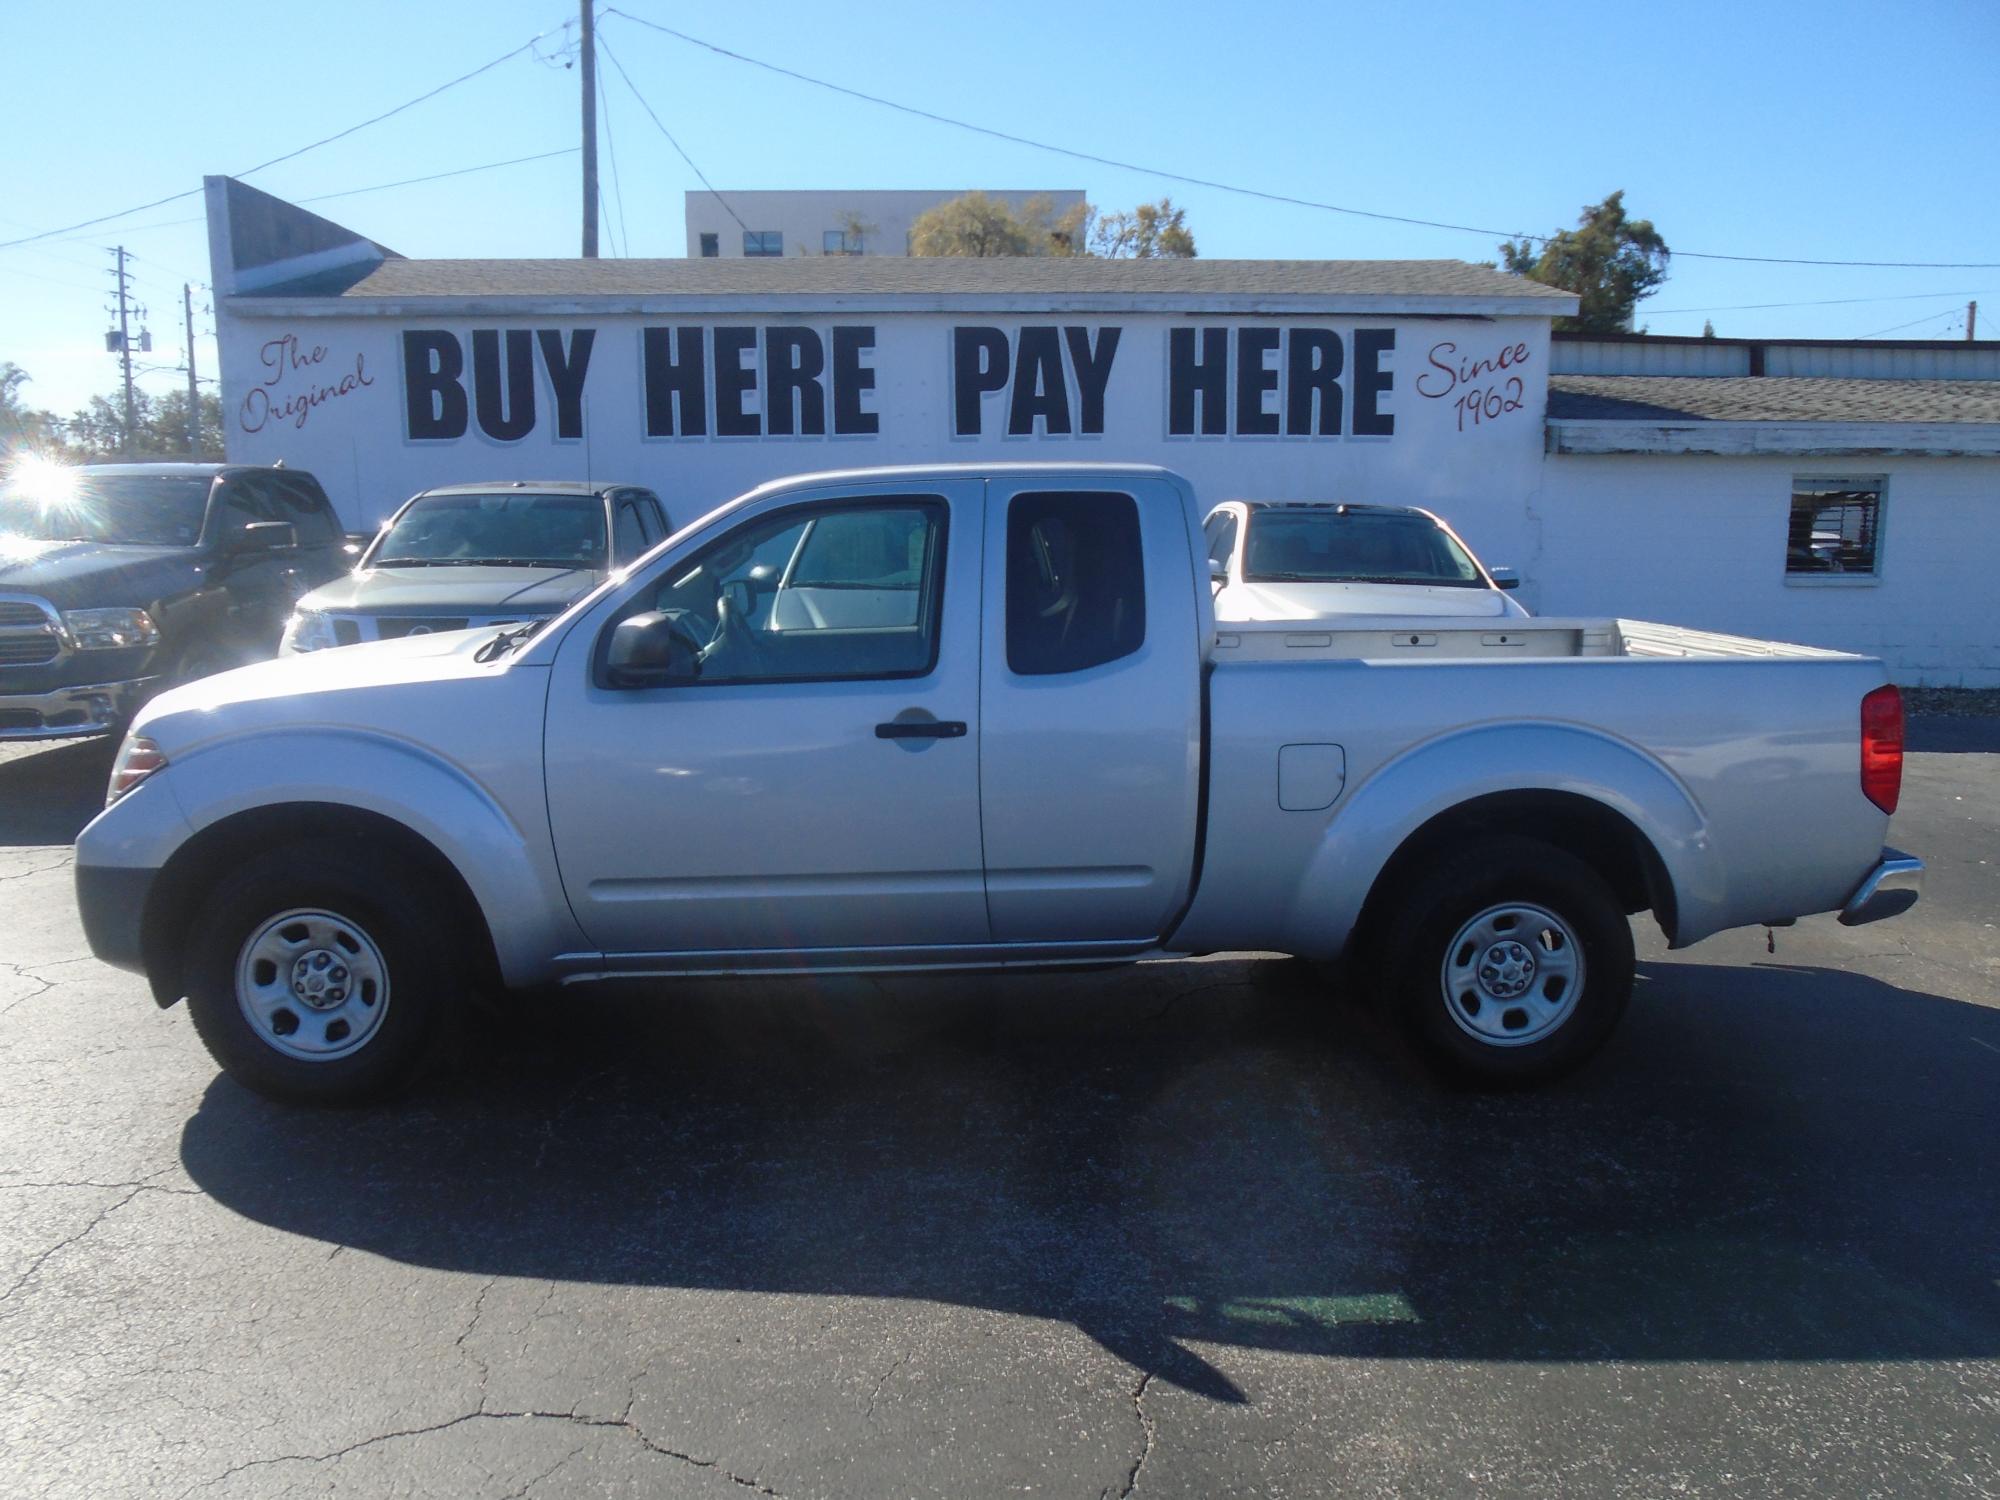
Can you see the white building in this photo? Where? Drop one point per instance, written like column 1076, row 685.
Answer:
column 862, row 222
column 1833, row 495
column 1843, row 493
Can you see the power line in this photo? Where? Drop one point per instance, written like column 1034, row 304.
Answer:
column 178, row 273
column 440, row 176
column 379, row 187
column 1662, row 312
column 663, row 129
column 1245, row 192
column 76, row 286
column 1949, row 312
column 617, row 191
column 71, row 259
column 289, row 155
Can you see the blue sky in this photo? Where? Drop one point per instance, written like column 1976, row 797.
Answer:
column 1824, row 131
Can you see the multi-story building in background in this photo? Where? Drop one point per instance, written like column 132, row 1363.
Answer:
column 827, row 222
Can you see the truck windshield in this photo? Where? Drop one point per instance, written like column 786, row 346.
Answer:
column 524, row 529
column 1353, row 545
column 143, row 510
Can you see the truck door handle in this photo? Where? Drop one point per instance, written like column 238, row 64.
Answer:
column 921, row 729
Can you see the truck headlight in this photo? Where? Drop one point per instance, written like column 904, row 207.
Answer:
column 107, row 629
column 308, row 630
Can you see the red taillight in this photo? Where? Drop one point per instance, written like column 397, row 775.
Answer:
column 1882, row 747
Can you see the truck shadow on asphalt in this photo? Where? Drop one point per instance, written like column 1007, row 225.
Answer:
column 1768, row 1163
column 47, row 795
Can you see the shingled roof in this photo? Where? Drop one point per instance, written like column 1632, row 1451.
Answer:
column 899, row 279
column 1695, row 398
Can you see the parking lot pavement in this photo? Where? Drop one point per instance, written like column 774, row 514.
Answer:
column 1187, row 1229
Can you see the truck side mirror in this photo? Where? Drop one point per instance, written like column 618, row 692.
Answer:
column 651, row 650
column 1505, row 578
column 1218, row 572
column 263, row 536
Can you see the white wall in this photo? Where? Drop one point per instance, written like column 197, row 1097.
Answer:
column 1701, row 541
column 1693, row 540
column 804, row 216
column 332, row 401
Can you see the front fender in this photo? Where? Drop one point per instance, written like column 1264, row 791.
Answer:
column 1440, row 774
column 505, row 858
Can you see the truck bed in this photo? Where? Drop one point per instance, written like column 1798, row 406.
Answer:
column 1410, row 638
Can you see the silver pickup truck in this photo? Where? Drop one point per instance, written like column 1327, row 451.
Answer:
column 956, row 718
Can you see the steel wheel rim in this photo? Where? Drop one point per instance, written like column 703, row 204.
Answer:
column 312, row 985
column 1512, row 975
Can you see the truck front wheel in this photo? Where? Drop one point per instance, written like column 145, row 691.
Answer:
column 317, row 975
column 1509, row 961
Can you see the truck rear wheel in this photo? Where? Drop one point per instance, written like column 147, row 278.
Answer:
column 1509, row 961
column 318, row 975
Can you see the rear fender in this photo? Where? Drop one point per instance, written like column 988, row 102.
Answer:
column 1444, row 773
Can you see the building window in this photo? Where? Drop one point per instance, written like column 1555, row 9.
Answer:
column 839, row 242
column 1836, row 526
column 763, row 242
column 711, row 246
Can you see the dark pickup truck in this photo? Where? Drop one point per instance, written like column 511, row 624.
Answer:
column 120, row 580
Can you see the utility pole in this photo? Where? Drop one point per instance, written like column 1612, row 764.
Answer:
column 125, row 349
column 194, row 391
column 589, row 49
column 1971, row 321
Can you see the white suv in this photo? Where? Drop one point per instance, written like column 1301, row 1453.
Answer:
column 1310, row 560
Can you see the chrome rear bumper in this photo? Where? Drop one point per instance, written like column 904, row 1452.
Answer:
column 1891, row 888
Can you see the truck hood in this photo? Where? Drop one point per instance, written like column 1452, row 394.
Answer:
column 81, row 575
column 356, row 686
column 453, row 591
column 1319, row 601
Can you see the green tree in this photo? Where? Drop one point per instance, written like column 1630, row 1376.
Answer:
column 96, row 431
column 1152, row 231
column 22, row 426
column 1609, row 260
column 164, row 433
column 979, row 224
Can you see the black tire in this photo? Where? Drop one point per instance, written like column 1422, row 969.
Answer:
column 384, row 922
column 1458, row 1001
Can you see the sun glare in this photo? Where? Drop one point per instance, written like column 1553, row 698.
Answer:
column 49, row 482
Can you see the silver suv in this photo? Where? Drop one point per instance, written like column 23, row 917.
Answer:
column 472, row 555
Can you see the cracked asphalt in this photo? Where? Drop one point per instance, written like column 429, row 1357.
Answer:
column 1191, row 1229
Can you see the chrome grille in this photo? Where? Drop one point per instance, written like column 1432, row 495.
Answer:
column 28, row 650
column 21, row 612
column 390, row 627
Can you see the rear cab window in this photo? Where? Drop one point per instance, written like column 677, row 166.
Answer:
column 652, row 518
column 1076, row 581
column 1220, row 533
column 628, row 532
column 240, row 501
column 299, row 499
